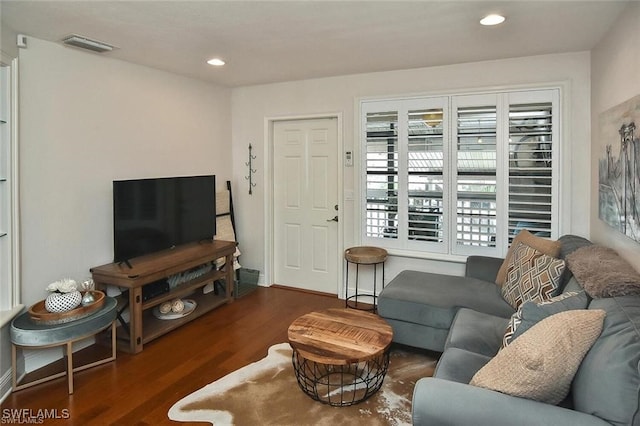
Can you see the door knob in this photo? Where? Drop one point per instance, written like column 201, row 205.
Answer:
column 335, row 219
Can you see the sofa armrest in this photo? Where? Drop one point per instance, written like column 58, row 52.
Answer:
column 483, row 267
column 441, row 402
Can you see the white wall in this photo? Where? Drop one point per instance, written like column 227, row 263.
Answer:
column 87, row 120
column 8, row 41
column 615, row 69
column 252, row 105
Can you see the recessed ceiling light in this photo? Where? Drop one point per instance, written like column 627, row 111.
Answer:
column 492, row 19
column 217, row 62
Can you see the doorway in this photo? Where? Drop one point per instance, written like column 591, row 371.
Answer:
column 305, row 204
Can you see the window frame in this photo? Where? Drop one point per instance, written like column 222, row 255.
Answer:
column 10, row 256
column 505, row 97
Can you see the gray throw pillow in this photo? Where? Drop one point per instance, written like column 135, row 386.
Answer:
column 602, row 272
column 533, row 313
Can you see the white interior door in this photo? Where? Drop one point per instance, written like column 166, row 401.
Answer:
column 305, row 203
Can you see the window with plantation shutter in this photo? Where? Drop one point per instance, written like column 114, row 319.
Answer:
column 460, row 174
column 381, row 147
column 530, row 168
column 9, row 236
column 476, row 184
column 425, row 175
column 5, row 192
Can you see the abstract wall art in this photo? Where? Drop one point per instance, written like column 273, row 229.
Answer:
column 619, row 168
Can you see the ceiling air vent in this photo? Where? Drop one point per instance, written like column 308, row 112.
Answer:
column 86, row 43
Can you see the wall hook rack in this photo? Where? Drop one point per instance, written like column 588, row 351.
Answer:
column 251, row 170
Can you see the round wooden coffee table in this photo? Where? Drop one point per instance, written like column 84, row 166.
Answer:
column 340, row 356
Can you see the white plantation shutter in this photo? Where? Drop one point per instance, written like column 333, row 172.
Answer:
column 460, row 174
column 475, row 172
column 9, row 236
column 5, row 192
column 381, row 158
column 425, row 169
column 532, row 148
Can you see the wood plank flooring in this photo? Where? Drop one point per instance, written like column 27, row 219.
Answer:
column 140, row 389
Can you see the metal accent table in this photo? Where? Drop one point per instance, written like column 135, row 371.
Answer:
column 364, row 255
column 340, row 356
column 28, row 334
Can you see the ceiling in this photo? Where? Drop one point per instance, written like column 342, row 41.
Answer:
column 274, row 41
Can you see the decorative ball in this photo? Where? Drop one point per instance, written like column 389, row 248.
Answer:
column 62, row 302
column 165, row 308
column 88, row 299
column 177, row 306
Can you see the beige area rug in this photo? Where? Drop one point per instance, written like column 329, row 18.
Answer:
column 267, row 393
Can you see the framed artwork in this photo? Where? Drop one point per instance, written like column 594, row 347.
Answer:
column 619, row 168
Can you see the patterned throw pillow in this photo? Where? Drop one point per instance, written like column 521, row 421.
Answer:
column 530, row 313
column 546, row 246
column 540, row 365
column 512, row 326
column 531, row 275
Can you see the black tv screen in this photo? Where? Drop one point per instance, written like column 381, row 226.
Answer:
column 150, row 215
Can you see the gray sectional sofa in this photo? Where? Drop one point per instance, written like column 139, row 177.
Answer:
column 465, row 318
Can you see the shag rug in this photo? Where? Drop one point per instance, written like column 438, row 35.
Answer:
column 267, row 393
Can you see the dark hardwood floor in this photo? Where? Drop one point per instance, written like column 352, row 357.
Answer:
column 140, row 389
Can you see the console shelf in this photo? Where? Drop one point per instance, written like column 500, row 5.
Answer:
column 143, row 326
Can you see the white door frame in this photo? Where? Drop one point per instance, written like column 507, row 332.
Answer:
column 269, row 191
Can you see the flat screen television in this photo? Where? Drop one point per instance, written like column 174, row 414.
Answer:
column 150, row 215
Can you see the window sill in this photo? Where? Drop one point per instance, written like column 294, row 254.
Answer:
column 9, row 314
column 441, row 257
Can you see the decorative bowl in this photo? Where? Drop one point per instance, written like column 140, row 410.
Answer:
column 39, row 313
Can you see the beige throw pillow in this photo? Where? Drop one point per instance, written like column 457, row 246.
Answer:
column 541, row 363
column 548, row 247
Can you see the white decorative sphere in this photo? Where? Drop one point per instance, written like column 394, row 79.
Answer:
column 165, row 308
column 62, row 302
column 177, row 306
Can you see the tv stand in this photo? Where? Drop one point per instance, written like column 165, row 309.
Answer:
column 143, row 326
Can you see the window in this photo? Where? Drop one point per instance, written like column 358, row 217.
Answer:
column 9, row 287
column 459, row 174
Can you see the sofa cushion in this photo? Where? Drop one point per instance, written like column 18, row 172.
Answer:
column 607, row 384
column 532, row 275
column 530, row 313
column 548, row 247
column 418, row 335
column 570, row 243
column 434, row 299
column 603, row 273
column 459, row 365
column 476, row 332
column 573, row 285
column 540, row 365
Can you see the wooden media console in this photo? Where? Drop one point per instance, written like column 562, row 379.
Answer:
column 143, row 326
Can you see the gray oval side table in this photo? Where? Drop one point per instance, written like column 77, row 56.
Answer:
column 28, row 334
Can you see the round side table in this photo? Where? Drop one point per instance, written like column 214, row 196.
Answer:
column 364, row 255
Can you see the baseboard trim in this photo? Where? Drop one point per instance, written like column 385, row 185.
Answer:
column 5, row 385
column 303, row 290
column 38, row 358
